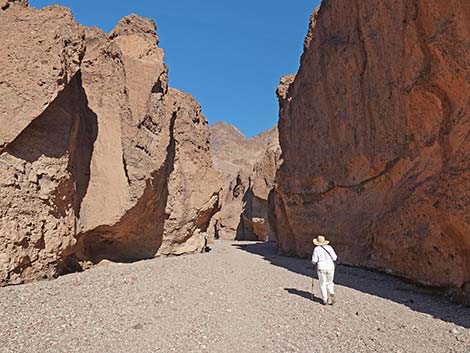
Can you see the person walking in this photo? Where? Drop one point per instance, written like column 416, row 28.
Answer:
column 324, row 257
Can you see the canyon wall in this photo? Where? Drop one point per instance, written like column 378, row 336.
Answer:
column 375, row 134
column 99, row 159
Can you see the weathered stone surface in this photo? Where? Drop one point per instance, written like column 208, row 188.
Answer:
column 375, row 138
column 6, row 4
column 104, row 81
column 46, row 134
column 229, row 221
column 193, row 184
column 29, row 83
column 100, row 160
column 264, row 173
column 282, row 92
column 249, row 171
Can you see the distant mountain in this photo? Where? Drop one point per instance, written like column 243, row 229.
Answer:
column 223, row 133
column 270, row 136
column 232, row 151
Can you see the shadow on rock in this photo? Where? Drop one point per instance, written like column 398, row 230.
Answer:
column 417, row 298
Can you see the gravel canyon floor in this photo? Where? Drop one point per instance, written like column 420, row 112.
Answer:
column 239, row 297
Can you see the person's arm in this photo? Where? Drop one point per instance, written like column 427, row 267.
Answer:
column 314, row 257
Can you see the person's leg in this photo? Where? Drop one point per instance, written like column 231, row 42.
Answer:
column 330, row 285
column 323, row 285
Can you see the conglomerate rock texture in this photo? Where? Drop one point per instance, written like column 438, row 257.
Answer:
column 249, row 167
column 5, row 4
column 375, row 134
column 99, row 159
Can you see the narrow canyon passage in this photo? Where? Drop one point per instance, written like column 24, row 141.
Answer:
column 239, row 297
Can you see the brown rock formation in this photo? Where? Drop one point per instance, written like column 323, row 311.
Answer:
column 249, row 167
column 46, row 137
column 264, row 173
column 5, row 4
column 98, row 159
column 375, row 138
column 30, row 83
column 282, row 92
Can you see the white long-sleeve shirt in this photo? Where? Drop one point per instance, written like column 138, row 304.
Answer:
column 322, row 259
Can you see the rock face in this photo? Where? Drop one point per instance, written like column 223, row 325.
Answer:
column 375, row 133
column 249, row 167
column 262, row 185
column 99, row 159
column 5, row 4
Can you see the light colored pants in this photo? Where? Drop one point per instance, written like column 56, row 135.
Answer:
column 327, row 286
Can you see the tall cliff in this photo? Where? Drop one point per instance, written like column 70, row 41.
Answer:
column 99, row 159
column 375, row 134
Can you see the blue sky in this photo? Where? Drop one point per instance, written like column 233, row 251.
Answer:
column 228, row 54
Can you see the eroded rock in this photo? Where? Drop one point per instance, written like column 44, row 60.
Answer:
column 100, row 160
column 29, row 80
column 249, row 167
column 6, row 4
column 374, row 133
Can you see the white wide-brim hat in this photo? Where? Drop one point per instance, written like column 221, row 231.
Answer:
column 320, row 240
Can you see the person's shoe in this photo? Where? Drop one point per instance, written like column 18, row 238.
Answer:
column 324, row 302
column 332, row 299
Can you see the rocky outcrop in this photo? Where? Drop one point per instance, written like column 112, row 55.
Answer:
column 282, row 93
column 30, row 83
column 5, row 4
column 47, row 134
column 194, row 185
column 375, row 138
column 249, row 167
column 99, row 158
column 264, row 173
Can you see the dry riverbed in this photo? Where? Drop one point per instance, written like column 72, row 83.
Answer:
column 239, row 297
